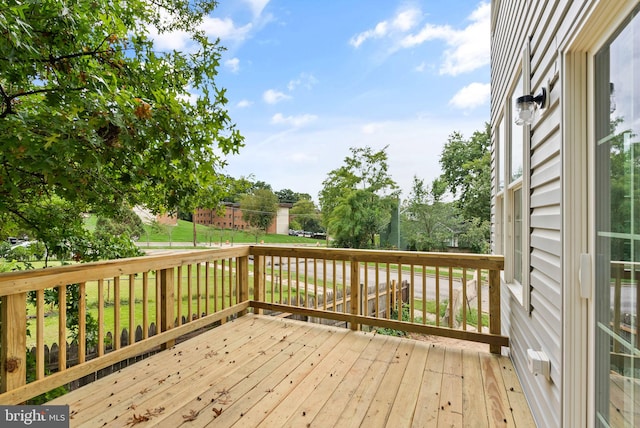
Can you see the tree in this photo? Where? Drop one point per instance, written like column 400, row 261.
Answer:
column 466, row 170
column 428, row 223
column 305, row 216
column 93, row 115
column 287, row 196
column 357, row 198
column 259, row 209
column 124, row 222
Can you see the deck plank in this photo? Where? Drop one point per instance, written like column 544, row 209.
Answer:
column 474, row 409
column 428, row 400
column 383, row 400
column 401, row 413
column 160, row 373
column 186, row 379
column 337, row 361
column 333, row 388
column 495, row 393
column 450, row 414
column 517, row 401
column 266, row 371
column 366, row 376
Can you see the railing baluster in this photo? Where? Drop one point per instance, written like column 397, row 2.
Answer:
column 315, row 283
column 389, row 296
column 306, row 283
column 437, row 296
column 280, row 287
column 215, row 286
column 189, row 293
column 464, row 298
column 451, row 298
column 411, row 292
column 179, row 295
column 198, row 290
column 272, row 279
column 344, row 286
column 364, row 296
column 206, row 288
column 62, row 327
column 479, row 298
column 335, row 286
column 168, row 303
column 116, row 311
column 288, row 280
column 355, row 291
column 324, row 283
column 40, row 334
column 132, row 309
column 231, row 283
column 145, row 305
column 100, row 317
column 82, row 323
column 222, row 282
column 377, row 288
column 399, row 296
column 424, row 294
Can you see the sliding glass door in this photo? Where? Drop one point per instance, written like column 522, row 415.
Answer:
column 617, row 222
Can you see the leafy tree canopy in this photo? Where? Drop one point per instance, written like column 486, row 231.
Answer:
column 260, row 208
column 305, row 216
column 466, row 170
column 357, row 198
column 93, row 115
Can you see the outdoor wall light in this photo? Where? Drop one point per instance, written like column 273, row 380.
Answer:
column 527, row 105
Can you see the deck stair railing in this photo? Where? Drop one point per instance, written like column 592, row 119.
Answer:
column 453, row 295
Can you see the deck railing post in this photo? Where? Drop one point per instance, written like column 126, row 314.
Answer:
column 258, row 284
column 355, row 288
column 242, row 268
column 13, row 358
column 167, row 303
column 494, row 308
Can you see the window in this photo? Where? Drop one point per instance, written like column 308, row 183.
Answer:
column 511, row 235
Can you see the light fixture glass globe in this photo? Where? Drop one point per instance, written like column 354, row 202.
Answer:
column 525, row 112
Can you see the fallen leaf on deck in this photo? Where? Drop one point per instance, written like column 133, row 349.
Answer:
column 218, row 412
column 191, row 416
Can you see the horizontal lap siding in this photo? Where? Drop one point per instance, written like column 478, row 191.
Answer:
column 542, row 329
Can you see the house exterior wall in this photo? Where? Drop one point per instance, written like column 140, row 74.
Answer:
column 538, row 324
column 551, row 42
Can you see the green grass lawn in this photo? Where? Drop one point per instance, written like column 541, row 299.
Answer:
column 207, row 235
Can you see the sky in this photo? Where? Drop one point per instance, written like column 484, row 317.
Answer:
column 308, row 80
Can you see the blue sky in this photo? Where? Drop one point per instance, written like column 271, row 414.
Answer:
column 307, row 80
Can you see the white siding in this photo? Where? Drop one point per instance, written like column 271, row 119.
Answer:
column 516, row 22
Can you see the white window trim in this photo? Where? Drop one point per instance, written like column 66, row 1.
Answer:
column 521, row 291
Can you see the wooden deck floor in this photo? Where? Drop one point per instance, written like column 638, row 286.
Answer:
column 273, row 372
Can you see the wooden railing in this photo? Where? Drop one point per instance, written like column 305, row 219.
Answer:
column 453, row 295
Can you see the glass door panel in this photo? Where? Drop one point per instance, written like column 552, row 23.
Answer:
column 617, row 219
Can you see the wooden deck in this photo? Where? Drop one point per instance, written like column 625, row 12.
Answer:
column 274, row 372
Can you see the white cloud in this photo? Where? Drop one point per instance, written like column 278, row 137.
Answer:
column 244, row 104
column 371, row 128
column 305, row 80
column 225, row 29
column 257, row 6
column 468, row 49
column 403, row 21
column 233, row 64
column 471, row 96
column 271, row 96
column 421, row 67
column 302, row 157
column 296, row 121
